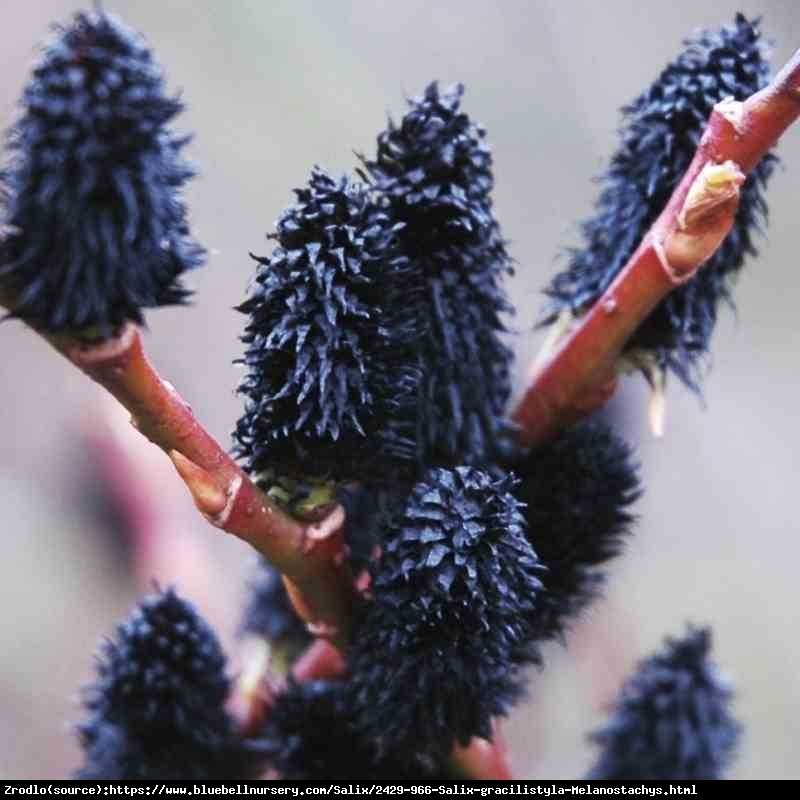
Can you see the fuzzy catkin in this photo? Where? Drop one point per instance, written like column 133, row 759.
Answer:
column 576, row 492
column 309, row 736
column 433, row 173
column 330, row 382
column 672, row 720
column 437, row 653
column 659, row 135
column 157, row 706
column 98, row 227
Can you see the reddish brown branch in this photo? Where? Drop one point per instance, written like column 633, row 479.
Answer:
column 580, row 375
column 310, row 555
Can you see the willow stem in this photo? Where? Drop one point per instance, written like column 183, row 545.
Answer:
column 310, row 555
column 579, row 376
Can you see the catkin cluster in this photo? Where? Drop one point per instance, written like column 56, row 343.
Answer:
column 377, row 365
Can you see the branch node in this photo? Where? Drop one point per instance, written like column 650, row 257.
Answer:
column 705, row 219
column 210, row 500
column 733, row 111
column 320, row 531
column 90, row 355
column 676, row 277
column 710, row 193
column 231, row 495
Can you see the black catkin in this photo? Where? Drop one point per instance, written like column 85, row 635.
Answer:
column 330, row 387
column 660, row 132
column 672, row 720
column 369, row 510
column 157, row 706
column 98, row 225
column 576, row 492
column 437, row 653
column 308, row 736
column 433, row 172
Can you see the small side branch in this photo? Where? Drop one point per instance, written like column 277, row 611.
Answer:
column 310, row 555
column 580, row 375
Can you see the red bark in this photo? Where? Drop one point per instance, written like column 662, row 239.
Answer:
column 580, row 375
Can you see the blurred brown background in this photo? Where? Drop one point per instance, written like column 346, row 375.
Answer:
column 274, row 87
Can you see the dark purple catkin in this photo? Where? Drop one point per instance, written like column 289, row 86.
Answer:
column 269, row 613
column 576, row 492
column 437, row 653
column 308, row 736
column 672, row 720
column 98, row 225
column 659, row 135
column 369, row 510
column 157, row 707
column 433, row 173
column 330, row 388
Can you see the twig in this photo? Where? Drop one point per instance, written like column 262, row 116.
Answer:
column 580, row 375
column 310, row 555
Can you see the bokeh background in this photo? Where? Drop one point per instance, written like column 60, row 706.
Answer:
column 274, row 86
